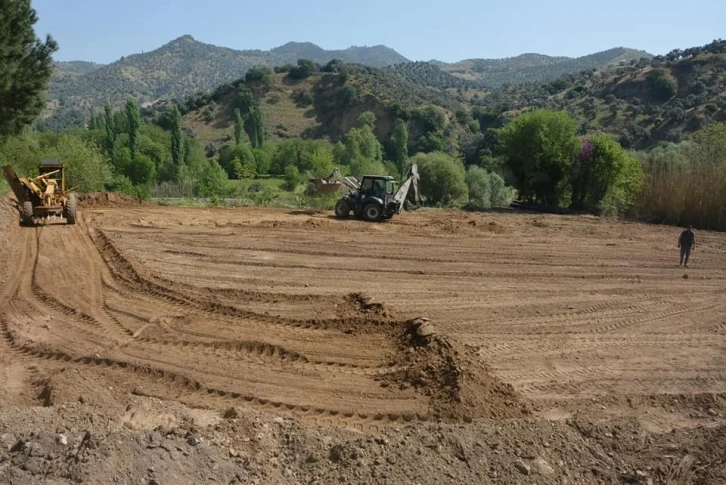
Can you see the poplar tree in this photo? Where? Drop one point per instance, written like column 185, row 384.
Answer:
column 177, row 139
column 134, row 122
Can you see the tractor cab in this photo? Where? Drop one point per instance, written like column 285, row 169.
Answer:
column 53, row 170
column 381, row 186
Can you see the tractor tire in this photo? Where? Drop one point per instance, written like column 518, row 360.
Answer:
column 69, row 212
column 342, row 208
column 27, row 215
column 372, row 212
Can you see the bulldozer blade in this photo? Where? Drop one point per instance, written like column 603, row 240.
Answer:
column 15, row 184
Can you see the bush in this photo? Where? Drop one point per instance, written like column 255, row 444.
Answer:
column 486, row 189
column 212, row 181
column 292, row 178
column 606, row 178
column 442, row 179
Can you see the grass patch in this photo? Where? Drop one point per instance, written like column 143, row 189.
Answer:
column 4, row 187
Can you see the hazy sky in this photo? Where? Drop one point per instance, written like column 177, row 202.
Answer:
column 451, row 30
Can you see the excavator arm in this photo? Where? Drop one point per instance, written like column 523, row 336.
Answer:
column 411, row 179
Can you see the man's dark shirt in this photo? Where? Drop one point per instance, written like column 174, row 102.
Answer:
column 687, row 239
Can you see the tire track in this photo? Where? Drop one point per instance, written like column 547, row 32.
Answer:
column 334, row 417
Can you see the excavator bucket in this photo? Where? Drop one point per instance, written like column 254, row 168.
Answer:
column 18, row 188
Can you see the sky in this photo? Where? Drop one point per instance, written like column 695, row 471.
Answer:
column 102, row 31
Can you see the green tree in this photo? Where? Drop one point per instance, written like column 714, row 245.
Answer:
column 662, row 87
column 359, row 142
column 606, row 177
column 133, row 118
column 255, row 127
column 110, row 129
column 261, row 75
column 86, row 166
column 238, row 126
column 212, row 179
column 304, row 69
column 26, row 66
column 246, row 99
column 400, row 144
column 263, row 161
column 177, row 141
column 227, row 155
column 244, row 169
column 292, row 178
column 540, row 147
column 486, row 189
column 442, row 178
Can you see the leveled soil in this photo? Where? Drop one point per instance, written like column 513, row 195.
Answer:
column 156, row 344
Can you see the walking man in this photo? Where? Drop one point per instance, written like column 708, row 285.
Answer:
column 686, row 242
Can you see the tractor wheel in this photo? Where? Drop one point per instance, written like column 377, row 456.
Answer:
column 69, row 212
column 27, row 215
column 342, row 208
column 372, row 212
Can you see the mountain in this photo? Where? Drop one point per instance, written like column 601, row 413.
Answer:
column 530, row 67
column 180, row 68
column 375, row 56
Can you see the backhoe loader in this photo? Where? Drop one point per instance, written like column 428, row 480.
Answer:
column 375, row 197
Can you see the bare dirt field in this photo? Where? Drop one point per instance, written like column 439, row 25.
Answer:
column 151, row 344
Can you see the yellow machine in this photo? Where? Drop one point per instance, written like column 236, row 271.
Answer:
column 43, row 196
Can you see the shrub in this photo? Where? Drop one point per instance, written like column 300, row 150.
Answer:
column 487, row 189
column 442, row 179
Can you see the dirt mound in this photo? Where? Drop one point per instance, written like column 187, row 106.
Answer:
column 108, row 199
column 460, row 386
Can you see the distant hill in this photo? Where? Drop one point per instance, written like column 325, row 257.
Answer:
column 644, row 101
column 430, row 74
column 527, row 68
column 180, row 68
column 323, row 105
column 76, row 67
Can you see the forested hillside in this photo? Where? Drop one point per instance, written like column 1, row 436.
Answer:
column 643, row 102
column 178, row 69
column 529, row 68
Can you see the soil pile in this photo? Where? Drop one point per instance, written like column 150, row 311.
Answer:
column 460, row 386
column 108, row 199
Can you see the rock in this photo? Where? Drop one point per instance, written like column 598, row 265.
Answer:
column 193, row 440
column 336, row 453
column 231, row 413
column 543, row 468
column 62, row 439
column 35, row 449
column 522, row 467
column 603, row 458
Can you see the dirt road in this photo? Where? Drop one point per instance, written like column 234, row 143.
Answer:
column 298, row 314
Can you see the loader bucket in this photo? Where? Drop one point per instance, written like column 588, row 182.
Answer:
column 326, row 186
column 18, row 188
